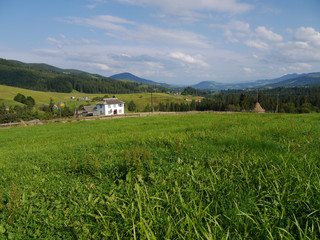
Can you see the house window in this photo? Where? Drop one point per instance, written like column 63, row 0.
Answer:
column 120, row 111
column 110, row 111
column 109, row 106
column 114, row 105
column 120, row 105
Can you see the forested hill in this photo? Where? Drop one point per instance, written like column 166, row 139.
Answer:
column 43, row 77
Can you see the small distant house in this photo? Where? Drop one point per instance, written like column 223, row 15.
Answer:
column 73, row 97
column 188, row 99
column 60, row 105
column 7, row 108
column 83, row 99
column 198, row 99
column 109, row 106
column 87, row 110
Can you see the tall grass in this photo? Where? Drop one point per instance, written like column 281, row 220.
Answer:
column 207, row 176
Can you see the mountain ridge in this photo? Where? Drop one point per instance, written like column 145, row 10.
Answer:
column 130, row 76
column 275, row 82
column 42, row 76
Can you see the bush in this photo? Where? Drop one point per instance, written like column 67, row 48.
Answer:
column 132, row 106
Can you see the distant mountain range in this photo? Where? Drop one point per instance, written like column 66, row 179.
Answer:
column 290, row 80
column 44, row 77
column 131, row 77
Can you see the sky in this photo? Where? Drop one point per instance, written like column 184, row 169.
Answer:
column 169, row 41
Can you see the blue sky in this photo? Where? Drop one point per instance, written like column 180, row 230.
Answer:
column 171, row 41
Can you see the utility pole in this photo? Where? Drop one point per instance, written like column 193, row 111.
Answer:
column 76, row 109
column 277, row 107
column 152, row 108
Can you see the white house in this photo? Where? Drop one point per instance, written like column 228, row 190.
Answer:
column 109, row 106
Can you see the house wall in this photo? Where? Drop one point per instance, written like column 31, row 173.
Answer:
column 109, row 109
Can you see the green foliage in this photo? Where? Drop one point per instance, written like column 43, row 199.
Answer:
column 20, row 98
column 98, row 99
column 194, row 176
column 191, row 91
column 132, row 106
column 29, row 101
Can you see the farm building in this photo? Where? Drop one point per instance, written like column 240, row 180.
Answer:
column 188, row 99
column 87, row 110
column 84, row 99
column 198, row 99
column 109, row 106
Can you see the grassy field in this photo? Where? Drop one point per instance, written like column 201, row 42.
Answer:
column 197, row 176
column 141, row 99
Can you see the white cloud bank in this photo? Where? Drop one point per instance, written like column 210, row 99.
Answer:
column 142, row 33
column 308, row 35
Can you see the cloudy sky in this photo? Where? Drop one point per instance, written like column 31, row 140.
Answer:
column 171, row 41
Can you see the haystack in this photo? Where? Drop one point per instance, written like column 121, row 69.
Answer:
column 258, row 109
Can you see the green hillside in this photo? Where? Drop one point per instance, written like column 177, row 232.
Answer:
column 43, row 77
column 140, row 99
column 195, row 176
column 309, row 80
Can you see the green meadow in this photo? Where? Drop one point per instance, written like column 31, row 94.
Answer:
column 194, row 176
column 141, row 100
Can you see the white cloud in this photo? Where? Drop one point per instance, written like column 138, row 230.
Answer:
column 187, row 59
column 53, row 40
column 143, row 33
column 150, row 34
column 64, row 41
column 296, row 52
column 94, row 3
column 255, row 56
column 229, row 37
column 248, row 70
column 300, row 54
column 258, row 44
column 242, row 29
column 262, row 32
column 105, row 22
column 88, row 41
column 181, row 7
column 239, row 26
column 300, row 67
column 309, row 35
column 233, row 25
column 99, row 66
